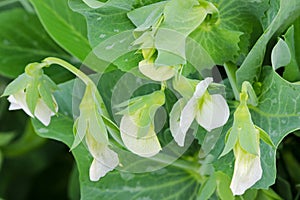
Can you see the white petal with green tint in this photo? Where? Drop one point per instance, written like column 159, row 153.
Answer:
column 43, row 112
column 247, row 170
column 146, row 146
column 188, row 115
column 175, row 129
column 105, row 159
column 156, row 73
column 213, row 113
column 18, row 101
column 202, row 87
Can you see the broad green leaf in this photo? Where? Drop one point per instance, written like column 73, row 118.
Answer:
column 251, row 67
column 166, row 183
column 292, row 70
column 23, row 41
column 277, row 115
column 228, row 38
column 66, row 27
column 281, row 55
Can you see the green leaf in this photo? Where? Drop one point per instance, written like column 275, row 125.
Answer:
column 166, row 183
column 228, row 37
column 281, row 55
column 277, row 115
column 66, row 27
column 23, row 41
column 292, row 70
column 251, row 68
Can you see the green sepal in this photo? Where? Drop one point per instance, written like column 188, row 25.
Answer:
column 79, row 133
column 46, row 95
column 32, row 94
column 17, row 85
column 96, row 127
column 230, row 141
column 265, row 137
column 113, row 129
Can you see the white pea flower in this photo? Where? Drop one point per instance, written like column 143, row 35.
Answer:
column 33, row 93
column 105, row 159
column 137, row 124
column 42, row 112
column 247, row 170
column 210, row 111
column 90, row 125
column 244, row 138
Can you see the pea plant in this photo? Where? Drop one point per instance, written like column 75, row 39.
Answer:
column 176, row 99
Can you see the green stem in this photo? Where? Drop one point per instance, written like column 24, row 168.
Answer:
column 69, row 67
column 230, row 71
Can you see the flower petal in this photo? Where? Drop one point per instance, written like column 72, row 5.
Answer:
column 188, row 115
column 161, row 73
column 106, row 162
column 213, row 113
column 43, row 112
column 18, row 101
column 146, row 146
column 105, row 159
column 247, row 171
column 202, row 87
column 177, row 134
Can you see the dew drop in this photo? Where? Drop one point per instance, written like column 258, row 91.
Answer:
column 102, row 36
column 110, row 46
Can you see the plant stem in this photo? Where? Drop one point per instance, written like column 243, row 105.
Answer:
column 230, row 71
column 69, row 67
